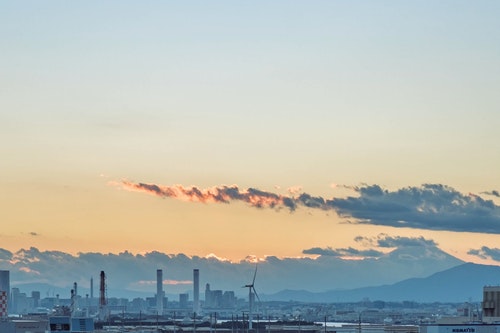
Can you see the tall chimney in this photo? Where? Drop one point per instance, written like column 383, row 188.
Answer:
column 91, row 287
column 159, row 291
column 75, row 296
column 102, row 297
column 102, row 290
column 196, row 290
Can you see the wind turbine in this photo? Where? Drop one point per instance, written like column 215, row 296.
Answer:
column 250, row 298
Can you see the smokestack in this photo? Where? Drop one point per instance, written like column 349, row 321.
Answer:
column 75, row 296
column 159, row 291
column 72, row 306
column 88, row 305
column 102, row 298
column 91, row 288
column 102, row 290
column 196, row 290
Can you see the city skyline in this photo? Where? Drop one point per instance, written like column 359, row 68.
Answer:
column 236, row 130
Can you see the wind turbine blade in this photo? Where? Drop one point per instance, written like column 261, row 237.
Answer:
column 254, row 275
column 256, row 295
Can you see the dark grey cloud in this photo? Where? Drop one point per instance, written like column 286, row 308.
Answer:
column 486, row 253
column 386, row 241
column 344, row 252
column 381, row 241
column 429, row 206
column 5, row 254
column 493, row 193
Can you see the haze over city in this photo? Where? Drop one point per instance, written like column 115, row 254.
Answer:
column 248, row 131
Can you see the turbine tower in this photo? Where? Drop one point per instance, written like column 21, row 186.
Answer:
column 251, row 298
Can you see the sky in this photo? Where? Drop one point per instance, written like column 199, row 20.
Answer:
column 237, row 128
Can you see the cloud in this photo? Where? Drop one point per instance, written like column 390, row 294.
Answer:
column 29, row 270
column 5, row 255
column 221, row 194
column 486, row 253
column 344, row 252
column 294, row 189
column 386, row 241
column 380, row 241
column 429, row 206
column 493, row 193
column 165, row 282
column 128, row 273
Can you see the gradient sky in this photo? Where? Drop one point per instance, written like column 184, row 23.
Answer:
column 269, row 95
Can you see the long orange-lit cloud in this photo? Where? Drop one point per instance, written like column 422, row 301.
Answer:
column 429, row 206
column 220, row 194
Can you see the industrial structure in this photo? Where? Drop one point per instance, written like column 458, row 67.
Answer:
column 103, row 310
column 4, row 293
column 159, row 291
column 491, row 303
column 196, row 290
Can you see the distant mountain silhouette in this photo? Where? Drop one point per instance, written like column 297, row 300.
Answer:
column 457, row 284
column 335, row 273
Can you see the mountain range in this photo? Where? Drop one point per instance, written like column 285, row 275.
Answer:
column 458, row 284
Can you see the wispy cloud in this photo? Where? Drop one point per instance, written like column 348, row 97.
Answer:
column 494, row 193
column 386, row 241
column 29, row 270
column 429, row 206
column 344, row 252
column 165, row 282
column 221, row 194
column 383, row 241
column 486, row 253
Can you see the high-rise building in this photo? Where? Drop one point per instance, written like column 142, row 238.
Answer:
column 35, row 295
column 183, row 300
column 196, row 290
column 5, row 287
column 159, row 291
column 209, row 303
